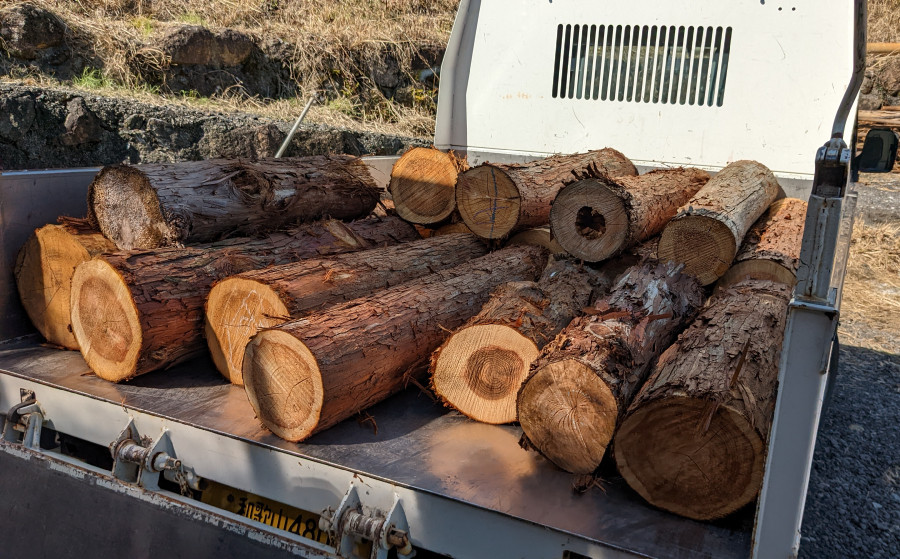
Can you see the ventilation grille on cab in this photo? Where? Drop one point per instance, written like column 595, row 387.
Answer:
column 649, row 64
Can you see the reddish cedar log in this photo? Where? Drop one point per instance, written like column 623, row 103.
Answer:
column 480, row 368
column 495, row 200
column 694, row 439
column 171, row 204
column 139, row 311
column 708, row 230
column 240, row 306
column 309, row 374
column 599, row 215
column 583, row 380
column 44, row 271
column 771, row 249
column 423, row 184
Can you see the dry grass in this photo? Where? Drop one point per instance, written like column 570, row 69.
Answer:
column 871, row 305
column 884, row 21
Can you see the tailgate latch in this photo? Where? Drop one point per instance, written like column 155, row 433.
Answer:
column 135, row 456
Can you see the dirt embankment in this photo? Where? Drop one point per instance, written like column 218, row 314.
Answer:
column 52, row 128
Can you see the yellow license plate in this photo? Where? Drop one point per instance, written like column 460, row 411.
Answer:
column 278, row 515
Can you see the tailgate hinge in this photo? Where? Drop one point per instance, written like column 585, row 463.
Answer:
column 351, row 521
column 24, row 421
column 134, row 457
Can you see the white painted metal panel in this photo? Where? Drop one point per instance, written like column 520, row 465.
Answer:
column 783, row 85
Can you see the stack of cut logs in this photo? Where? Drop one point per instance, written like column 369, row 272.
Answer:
column 592, row 327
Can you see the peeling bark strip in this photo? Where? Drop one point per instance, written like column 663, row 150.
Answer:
column 139, row 311
column 170, row 204
column 496, row 200
column 706, row 233
column 596, row 217
column 694, row 439
column 309, row 374
column 423, row 184
column 240, row 306
column 583, row 380
column 480, row 368
column 44, row 270
column 771, row 249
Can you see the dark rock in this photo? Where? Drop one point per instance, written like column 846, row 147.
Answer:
column 385, row 71
column 16, row 117
column 192, row 45
column 245, row 141
column 27, row 29
column 889, row 78
column 82, row 126
column 868, row 83
column 870, row 102
column 134, row 122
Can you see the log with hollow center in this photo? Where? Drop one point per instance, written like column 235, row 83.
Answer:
column 44, row 270
column 309, row 374
column 423, row 184
column 584, row 379
column 495, row 200
column 708, row 230
column 139, row 311
column 480, row 368
column 694, row 439
column 771, row 249
column 240, row 306
column 170, row 204
column 596, row 217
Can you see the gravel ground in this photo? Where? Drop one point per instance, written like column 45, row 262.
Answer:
column 853, row 504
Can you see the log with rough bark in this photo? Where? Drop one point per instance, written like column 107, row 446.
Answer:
column 139, row 311
column 171, row 204
column 584, row 379
column 539, row 236
column 495, row 200
column 240, row 306
column 480, row 368
column 771, row 249
column 694, row 439
column 708, row 230
column 309, row 374
column 423, row 184
column 598, row 216
column 44, row 271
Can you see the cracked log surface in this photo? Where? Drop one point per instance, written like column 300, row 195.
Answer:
column 139, row 311
column 309, row 374
column 694, row 439
column 598, row 216
column 583, row 381
column 495, row 200
column 242, row 305
column 708, row 230
column 172, row 204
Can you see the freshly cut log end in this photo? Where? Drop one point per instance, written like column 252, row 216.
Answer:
column 105, row 321
column 539, row 236
column 290, row 396
column 569, row 415
column 238, row 308
column 480, row 370
column 423, row 185
column 44, row 270
column 766, row 270
column 703, row 477
column 590, row 220
column 705, row 246
column 488, row 201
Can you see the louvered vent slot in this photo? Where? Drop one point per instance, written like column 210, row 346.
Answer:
column 649, row 64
